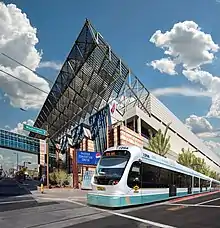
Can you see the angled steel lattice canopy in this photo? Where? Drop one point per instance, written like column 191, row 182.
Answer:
column 91, row 76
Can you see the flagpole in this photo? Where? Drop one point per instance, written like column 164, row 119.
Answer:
column 107, row 139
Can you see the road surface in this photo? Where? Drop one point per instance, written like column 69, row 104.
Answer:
column 21, row 209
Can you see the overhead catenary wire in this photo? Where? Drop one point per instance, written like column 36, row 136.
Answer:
column 27, row 83
column 21, row 64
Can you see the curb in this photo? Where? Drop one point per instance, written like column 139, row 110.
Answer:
column 193, row 196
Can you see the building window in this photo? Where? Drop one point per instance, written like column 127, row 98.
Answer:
column 15, row 141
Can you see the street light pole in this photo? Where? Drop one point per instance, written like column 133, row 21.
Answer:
column 16, row 159
column 47, row 152
column 27, row 163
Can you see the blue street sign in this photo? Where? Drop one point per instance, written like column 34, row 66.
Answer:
column 87, row 158
column 34, row 129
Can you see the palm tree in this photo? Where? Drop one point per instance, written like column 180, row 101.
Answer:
column 214, row 174
column 160, row 143
column 187, row 158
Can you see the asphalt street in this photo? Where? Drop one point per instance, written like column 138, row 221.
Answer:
column 191, row 213
column 196, row 212
column 21, row 209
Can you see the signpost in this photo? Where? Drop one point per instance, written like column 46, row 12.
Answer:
column 34, row 129
column 40, row 131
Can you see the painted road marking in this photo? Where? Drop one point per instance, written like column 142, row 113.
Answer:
column 193, row 196
column 15, row 197
column 114, row 213
column 193, row 205
column 17, row 201
column 141, row 207
column 142, row 220
column 208, row 201
column 177, row 207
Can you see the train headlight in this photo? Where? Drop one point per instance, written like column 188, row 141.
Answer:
column 115, row 182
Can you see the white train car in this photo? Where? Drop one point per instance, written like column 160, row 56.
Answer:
column 129, row 175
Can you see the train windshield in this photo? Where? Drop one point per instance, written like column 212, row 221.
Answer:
column 112, row 164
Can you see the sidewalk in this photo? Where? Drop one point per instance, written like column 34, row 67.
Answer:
column 62, row 193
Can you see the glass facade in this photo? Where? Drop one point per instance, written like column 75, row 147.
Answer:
column 11, row 159
column 19, row 142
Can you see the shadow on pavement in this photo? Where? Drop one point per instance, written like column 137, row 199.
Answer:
column 12, row 188
column 30, row 185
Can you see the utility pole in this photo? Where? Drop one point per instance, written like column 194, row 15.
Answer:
column 17, row 161
column 47, row 154
column 107, row 131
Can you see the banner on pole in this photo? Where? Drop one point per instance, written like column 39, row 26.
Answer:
column 87, row 178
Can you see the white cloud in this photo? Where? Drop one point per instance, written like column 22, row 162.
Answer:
column 214, row 146
column 183, row 91
column 17, row 40
column 211, row 84
column 204, row 130
column 206, row 135
column 50, row 64
column 164, row 65
column 19, row 128
column 202, row 127
column 186, row 44
column 198, row 124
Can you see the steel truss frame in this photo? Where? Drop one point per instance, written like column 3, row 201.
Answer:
column 90, row 78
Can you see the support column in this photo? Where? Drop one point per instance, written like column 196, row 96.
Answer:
column 75, row 168
column 134, row 127
column 139, row 125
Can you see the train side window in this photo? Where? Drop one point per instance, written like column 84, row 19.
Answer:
column 196, row 182
column 155, row 177
column 149, row 176
column 188, row 181
column 204, row 183
column 134, row 175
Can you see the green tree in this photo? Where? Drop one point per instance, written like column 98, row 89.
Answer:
column 53, row 178
column 201, row 166
column 188, row 159
column 59, row 177
column 160, row 143
column 214, row 175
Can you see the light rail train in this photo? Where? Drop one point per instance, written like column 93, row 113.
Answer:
column 129, row 175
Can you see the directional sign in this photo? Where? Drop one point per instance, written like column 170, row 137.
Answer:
column 34, row 129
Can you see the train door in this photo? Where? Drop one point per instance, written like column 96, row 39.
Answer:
column 134, row 177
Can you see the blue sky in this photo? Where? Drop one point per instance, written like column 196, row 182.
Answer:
column 128, row 27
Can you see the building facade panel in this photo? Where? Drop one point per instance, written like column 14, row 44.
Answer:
column 165, row 115
column 178, row 141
